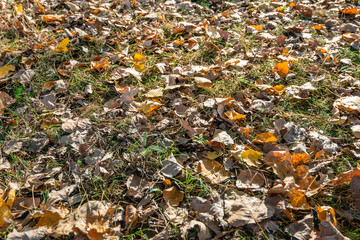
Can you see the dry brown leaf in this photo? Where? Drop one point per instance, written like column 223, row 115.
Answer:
column 5, row 101
column 213, row 171
column 173, row 196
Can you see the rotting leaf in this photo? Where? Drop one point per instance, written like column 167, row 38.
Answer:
column 99, row 65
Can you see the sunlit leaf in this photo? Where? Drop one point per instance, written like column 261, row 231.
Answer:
column 326, row 213
column 266, row 137
column 319, row 27
column 62, row 47
column 234, row 115
column 350, row 11
column 282, row 69
column 251, row 157
column 298, row 199
column 100, row 65
column 300, row 158
column 212, row 171
column 257, row 27
column 149, row 106
column 19, row 9
column 139, row 57
column 53, row 18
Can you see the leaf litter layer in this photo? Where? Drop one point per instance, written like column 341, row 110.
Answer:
column 179, row 119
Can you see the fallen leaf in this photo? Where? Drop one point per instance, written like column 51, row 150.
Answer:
column 350, row 11
column 99, row 65
column 243, row 209
column 149, row 106
column 257, row 27
column 251, row 157
column 234, row 115
column 249, row 179
column 173, row 196
column 4, row 71
column 300, row 158
column 266, row 137
column 298, row 199
column 154, row 93
column 62, row 46
column 326, row 213
column 18, row 9
column 282, row 69
column 5, row 101
column 212, row 171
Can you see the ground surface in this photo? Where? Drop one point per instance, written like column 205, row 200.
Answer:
column 179, row 119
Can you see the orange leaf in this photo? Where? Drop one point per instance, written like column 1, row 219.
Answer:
column 267, row 137
column 319, row 27
column 234, row 115
column 326, row 213
column 282, row 69
column 298, row 199
column 53, row 18
column 300, row 158
column 292, row 4
column 257, row 28
column 350, row 11
column 212, row 171
column 99, row 65
column 173, row 196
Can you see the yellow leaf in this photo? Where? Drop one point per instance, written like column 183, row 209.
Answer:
column 11, row 198
column 139, row 57
column 251, row 157
column 139, row 67
column 212, row 155
column 282, row 69
column 298, row 199
column 4, row 71
column 62, row 47
column 18, row 9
